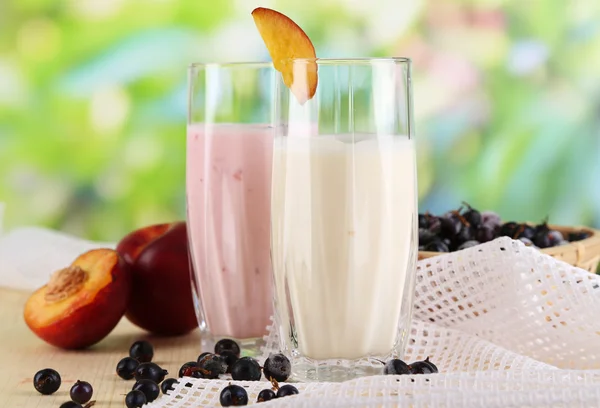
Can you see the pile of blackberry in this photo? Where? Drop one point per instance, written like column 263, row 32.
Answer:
column 467, row 227
column 226, row 359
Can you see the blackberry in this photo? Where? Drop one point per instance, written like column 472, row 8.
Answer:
column 246, row 369
column 81, row 392
column 277, row 367
column 47, row 381
column 233, row 396
column 142, row 351
column 126, row 368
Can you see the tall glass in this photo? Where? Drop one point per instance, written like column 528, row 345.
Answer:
column 344, row 217
column 228, row 186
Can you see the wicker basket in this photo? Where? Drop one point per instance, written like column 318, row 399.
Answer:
column 584, row 254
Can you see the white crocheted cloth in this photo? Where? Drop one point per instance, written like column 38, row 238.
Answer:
column 506, row 325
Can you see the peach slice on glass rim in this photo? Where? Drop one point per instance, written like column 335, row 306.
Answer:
column 81, row 303
column 286, row 41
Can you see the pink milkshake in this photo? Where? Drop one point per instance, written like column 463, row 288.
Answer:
column 228, row 199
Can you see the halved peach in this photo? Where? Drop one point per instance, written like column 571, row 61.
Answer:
column 81, row 303
column 286, row 41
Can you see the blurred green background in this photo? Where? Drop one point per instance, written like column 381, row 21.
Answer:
column 93, row 101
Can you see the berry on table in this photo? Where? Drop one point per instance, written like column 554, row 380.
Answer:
column 135, row 399
column 286, row 390
column 396, row 367
column 227, row 344
column 277, row 367
column 266, row 395
column 189, row 369
column 150, row 371
column 246, row 369
column 142, row 351
column 230, row 358
column 432, row 366
column 81, row 392
column 149, row 388
column 201, row 356
column 211, row 366
column 126, row 368
column 233, row 396
column 422, row 367
column 168, row 385
column 70, row 404
column 47, row 381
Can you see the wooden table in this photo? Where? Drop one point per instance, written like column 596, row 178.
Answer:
column 22, row 354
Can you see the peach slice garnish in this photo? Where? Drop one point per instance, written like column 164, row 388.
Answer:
column 286, row 41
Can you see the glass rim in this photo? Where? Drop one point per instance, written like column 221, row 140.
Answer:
column 318, row 61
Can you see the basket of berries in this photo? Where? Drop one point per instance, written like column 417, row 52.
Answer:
column 467, row 227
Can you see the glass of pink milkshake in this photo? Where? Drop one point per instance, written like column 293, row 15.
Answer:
column 228, row 182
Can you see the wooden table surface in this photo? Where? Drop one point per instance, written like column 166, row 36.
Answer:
column 22, row 354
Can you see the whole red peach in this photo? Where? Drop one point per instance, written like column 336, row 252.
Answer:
column 81, row 303
column 161, row 298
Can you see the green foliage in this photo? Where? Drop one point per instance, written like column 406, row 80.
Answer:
column 93, row 102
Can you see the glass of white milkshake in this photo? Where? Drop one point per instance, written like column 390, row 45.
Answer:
column 344, row 218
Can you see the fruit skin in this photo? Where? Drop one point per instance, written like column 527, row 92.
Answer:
column 126, row 368
column 149, row 388
column 81, row 392
column 233, row 396
column 142, row 351
column 161, row 299
column 286, row 40
column 246, row 369
column 286, row 390
column 277, row 367
column 168, row 385
column 91, row 313
column 47, row 381
column 266, row 395
column 135, row 399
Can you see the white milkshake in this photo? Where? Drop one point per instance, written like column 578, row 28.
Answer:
column 343, row 225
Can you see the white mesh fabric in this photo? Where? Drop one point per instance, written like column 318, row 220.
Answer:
column 506, row 325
